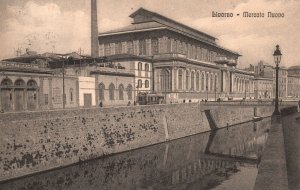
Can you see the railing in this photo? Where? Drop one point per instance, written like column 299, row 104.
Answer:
column 170, row 55
column 249, row 102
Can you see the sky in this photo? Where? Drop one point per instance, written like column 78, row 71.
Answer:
column 63, row 26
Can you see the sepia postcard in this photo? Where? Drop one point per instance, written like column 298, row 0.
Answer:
column 149, row 94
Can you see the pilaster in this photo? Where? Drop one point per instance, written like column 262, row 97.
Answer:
column 41, row 93
column 97, row 89
column 50, row 96
column 25, row 99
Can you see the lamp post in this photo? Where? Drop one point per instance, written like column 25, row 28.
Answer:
column 206, row 93
column 63, row 72
column 277, row 58
column 215, row 90
column 245, row 90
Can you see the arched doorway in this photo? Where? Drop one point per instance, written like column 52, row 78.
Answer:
column 32, row 95
column 165, row 80
column 6, row 95
column 19, row 95
column 101, row 92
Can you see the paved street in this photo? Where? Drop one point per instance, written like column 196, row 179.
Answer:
column 291, row 127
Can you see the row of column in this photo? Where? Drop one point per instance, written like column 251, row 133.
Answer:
column 173, row 79
column 242, row 84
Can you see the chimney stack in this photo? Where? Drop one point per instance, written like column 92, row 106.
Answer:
column 94, row 30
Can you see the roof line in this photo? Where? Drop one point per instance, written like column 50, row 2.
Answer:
column 168, row 19
column 130, row 31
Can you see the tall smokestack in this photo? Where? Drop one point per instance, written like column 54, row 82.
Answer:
column 94, row 29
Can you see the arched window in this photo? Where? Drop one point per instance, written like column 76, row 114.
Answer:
column 212, row 82
column 129, row 92
column 192, row 80
column 140, row 84
column 146, row 83
column 121, row 92
column 6, row 82
column 19, row 82
column 207, row 80
column 146, row 67
column 147, row 70
column 101, row 91
column 139, row 66
column 187, row 78
column 180, row 79
column 197, row 81
column 216, row 82
column 165, row 80
column 202, row 81
column 111, row 91
column 31, row 83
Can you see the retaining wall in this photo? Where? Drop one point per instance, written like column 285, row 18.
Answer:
column 38, row 141
column 44, row 140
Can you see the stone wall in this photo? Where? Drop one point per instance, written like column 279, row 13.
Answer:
column 45, row 140
column 177, row 162
column 37, row 141
column 224, row 115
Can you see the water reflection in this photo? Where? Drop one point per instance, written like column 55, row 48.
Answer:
column 204, row 161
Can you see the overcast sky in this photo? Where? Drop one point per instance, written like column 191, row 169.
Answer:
column 64, row 25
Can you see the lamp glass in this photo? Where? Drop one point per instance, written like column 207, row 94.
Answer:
column 277, row 55
column 277, row 59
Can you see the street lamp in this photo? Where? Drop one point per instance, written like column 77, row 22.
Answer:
column 206, row 93
column 215, row 90
column 277, row 58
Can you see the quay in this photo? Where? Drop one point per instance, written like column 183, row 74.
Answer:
column 38, row 141
column 280, row 164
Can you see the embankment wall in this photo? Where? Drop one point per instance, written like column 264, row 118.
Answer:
column 37, row 141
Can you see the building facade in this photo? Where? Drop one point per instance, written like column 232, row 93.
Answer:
column 187, row 64
column 26, row 87
column 293, row 89
column 263, row 88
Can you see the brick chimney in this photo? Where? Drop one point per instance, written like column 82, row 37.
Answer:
column 94, row 29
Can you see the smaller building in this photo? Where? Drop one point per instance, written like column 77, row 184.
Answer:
column 263, row 88
column 26, row 86
column 264, row 73
column 293, row 90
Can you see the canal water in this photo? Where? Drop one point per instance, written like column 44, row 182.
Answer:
column 221, row 160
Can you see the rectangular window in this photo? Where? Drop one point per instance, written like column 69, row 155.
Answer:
column 142, row 47
column 154, row 44
column 118, row 48
column 130, row 47
column 46, row 99
column 106, row 49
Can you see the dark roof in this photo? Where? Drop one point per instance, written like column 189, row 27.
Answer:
column 155, row 21
column 113, row 73
column 117, row 57
column 134, row 28
column 154, row 14
column 26, row 70
column 31, row 58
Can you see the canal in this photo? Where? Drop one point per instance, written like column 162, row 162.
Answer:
column 225, row 159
